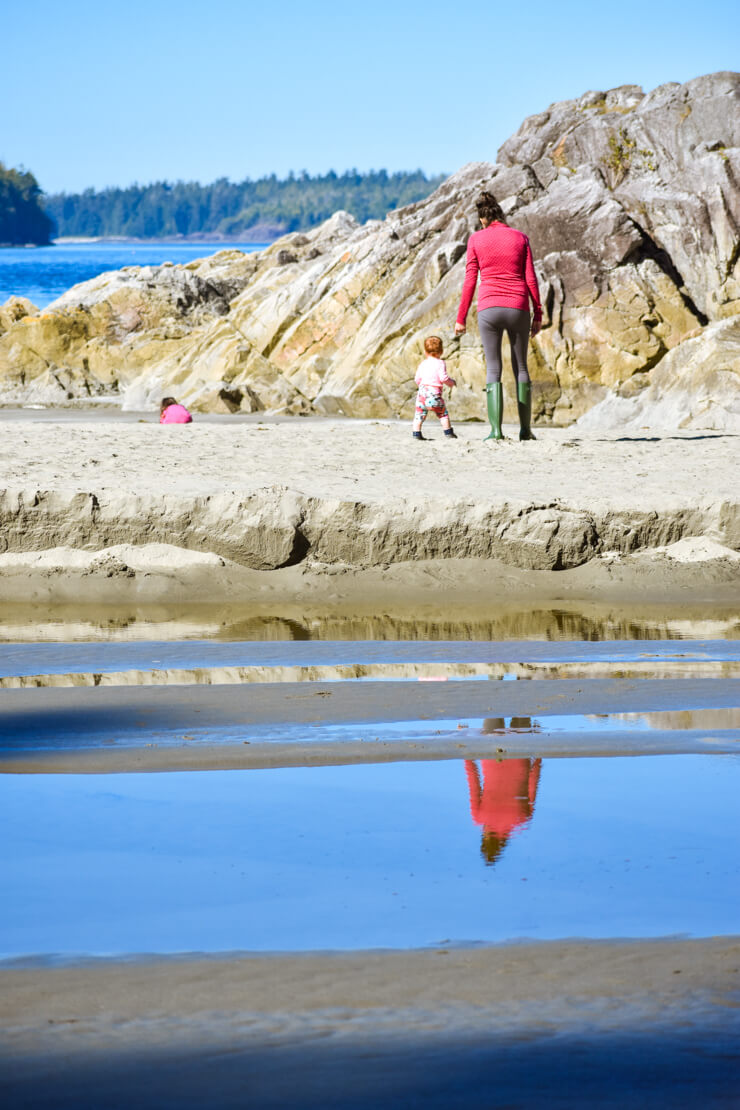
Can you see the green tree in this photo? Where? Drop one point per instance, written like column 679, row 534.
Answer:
column 22, row 217
column 298, row 202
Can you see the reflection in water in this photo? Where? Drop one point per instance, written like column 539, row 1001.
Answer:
column 492, row 725
column 157, row 622
column 372, row 856
column 723, row 717
column 376, row 672
column 504, row 801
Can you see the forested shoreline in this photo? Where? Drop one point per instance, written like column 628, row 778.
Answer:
column 261, row 209
column 22, row 217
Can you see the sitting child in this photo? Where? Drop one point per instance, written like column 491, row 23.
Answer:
column 430, row 377
column 172, row 413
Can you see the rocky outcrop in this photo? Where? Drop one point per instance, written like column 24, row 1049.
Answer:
column 14, row 310
column 632, row 205
column 695, row 387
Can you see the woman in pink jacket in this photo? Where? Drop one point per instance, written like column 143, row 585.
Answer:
column 504, row 802
column 503, row 257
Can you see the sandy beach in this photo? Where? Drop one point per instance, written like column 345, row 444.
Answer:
column 114, row 530
column 323, row 512
column 342, row 770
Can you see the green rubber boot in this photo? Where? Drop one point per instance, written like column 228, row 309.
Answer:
column 495, row 402
column 524, row 404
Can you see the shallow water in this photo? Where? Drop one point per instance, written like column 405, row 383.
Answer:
column 495, row 658
column 392, row 855
column 310, row 788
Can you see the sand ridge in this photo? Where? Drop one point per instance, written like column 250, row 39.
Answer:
column 143, row 511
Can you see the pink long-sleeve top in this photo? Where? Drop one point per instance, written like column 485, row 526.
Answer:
column 433, row 373
column 505, row 800
column 503, row 257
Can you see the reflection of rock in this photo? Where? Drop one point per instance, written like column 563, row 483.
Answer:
column 300, row 621
column 705, row 719
column 632, row 206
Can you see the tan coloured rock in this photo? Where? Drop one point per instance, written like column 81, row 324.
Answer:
column 695, row 387
column 632, row 206
column 14, row 309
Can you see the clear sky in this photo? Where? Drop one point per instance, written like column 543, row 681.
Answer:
column 97, row 94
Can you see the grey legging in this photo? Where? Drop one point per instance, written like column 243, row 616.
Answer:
column 493, row 322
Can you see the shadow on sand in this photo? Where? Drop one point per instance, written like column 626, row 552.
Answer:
column 338, row 1067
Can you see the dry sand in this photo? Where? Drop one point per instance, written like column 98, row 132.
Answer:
column 357, row 513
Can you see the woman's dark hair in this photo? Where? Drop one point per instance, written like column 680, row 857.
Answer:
column 489, row 208
column 166, row 402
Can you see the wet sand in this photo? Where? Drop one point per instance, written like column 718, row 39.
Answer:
column 578, row 1024
column 159, row 728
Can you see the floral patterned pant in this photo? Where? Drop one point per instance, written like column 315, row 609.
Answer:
column 428, row 399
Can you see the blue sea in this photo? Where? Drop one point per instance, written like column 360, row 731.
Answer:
column 43, row 273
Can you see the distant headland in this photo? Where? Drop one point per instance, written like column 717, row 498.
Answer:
column 248, row 211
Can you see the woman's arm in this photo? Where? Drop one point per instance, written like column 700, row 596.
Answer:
column 471, row 277
column 534, row 290
column 474, row 786
column 534, row 778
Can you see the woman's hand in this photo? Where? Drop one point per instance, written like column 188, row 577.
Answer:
column 536, row 326
column 459, row 329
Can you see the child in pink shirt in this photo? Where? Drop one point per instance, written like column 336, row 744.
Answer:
column 430, row 377
column 172, row 413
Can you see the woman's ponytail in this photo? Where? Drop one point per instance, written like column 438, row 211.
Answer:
column 489, row 209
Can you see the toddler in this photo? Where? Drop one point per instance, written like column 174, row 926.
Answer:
column 172, row 413
column 430, row 377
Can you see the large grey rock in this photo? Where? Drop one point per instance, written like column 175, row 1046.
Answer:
column 669, row 160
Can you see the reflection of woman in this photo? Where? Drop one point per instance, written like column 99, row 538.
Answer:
column 503, row 257
column 505, row 800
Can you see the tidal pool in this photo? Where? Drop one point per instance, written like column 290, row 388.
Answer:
column 369, row 856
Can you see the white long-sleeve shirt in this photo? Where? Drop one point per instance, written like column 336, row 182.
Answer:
column 433, row 373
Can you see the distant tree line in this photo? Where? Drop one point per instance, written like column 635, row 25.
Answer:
column 229, row 209
column 22, row 217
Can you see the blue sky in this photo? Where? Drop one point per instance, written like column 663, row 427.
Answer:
column 107, row 94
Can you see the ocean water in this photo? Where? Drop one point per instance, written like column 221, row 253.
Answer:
column 43, row 273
